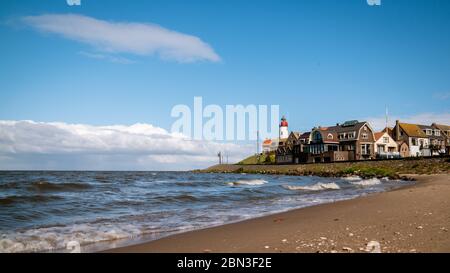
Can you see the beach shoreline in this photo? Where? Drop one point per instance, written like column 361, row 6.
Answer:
column 413, row 218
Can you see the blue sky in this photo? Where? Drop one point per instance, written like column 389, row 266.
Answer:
column 322, row 61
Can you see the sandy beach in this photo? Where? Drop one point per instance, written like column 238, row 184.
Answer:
column 410, row 219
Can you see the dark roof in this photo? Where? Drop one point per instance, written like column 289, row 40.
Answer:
column 306, row 135
column 346, row 127
column 430, row 127
column 423, row 127
column 349, row 127
column 442, row 127
column 325, row 132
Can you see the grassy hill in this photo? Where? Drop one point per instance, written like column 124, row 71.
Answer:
column 258, row 159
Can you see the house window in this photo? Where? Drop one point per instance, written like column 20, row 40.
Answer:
column 365, row 149
column 429, row 132
column 414, row 141
column 437, row 133
column 317, row 136
column 385, row 140
column 422, row 143
column 330, row 136
column 332, row 148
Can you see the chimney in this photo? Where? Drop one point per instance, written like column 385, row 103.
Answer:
column 397, row 130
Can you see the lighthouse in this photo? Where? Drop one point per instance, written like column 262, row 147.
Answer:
column 284, row 132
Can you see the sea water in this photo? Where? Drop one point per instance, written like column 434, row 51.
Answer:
column 43, row 211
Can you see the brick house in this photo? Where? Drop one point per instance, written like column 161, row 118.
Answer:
column 445, row 133
column 352, row 140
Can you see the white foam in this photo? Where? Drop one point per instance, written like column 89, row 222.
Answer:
column 315, row 187
column 254, row 182
column 352, row 178
column 367, row 182
column 58, row 238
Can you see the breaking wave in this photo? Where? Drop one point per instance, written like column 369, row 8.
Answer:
column 352, row 178
column 367, row 182
column 315, row 187
column 254, row 182
column 58, row 238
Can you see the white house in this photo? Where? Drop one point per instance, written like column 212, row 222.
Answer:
column 385, row 146
column 270, row 145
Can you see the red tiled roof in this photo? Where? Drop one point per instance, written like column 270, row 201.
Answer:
column 379, row 135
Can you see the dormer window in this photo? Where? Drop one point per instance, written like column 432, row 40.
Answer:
column 437, row 133
column 317, row 136
column 330, row 136
column 429, row 132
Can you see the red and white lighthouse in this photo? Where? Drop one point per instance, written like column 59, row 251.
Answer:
column 284, row 131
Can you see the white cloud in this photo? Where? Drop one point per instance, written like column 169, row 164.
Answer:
column 113, row 59
column 379, row 123
column 56, row 145
column 125, row 37
column 441, row 96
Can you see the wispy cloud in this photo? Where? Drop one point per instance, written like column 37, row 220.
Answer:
column 379, row 123
column 441, row 96
column 41, row 145
column 110, row 58
column 125, row 37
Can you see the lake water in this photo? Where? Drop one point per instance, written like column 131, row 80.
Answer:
column 46, row 211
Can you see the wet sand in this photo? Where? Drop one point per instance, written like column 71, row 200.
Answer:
column 410, row 219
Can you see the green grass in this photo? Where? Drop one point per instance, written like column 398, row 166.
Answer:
column 258, row 159
column 251, row 160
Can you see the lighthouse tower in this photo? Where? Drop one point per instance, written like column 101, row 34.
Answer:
column 284, row 132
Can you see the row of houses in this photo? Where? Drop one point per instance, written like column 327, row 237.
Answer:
column 355, row 140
